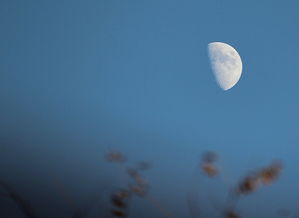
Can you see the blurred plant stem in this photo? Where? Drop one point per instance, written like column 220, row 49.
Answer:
column 24, row 205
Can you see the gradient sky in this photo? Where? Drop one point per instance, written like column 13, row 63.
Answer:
column 79, row 78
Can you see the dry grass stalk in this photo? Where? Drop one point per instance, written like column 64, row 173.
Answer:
column 249, row 184
column 139, row 187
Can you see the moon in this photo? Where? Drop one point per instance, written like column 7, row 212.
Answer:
column 226, row 64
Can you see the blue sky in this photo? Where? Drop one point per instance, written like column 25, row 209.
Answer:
column 78, row 78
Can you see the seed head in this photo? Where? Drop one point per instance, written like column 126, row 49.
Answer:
column 269, row 174
column 116, row 156
column 248, row 184
column 231, row 214
column 210, row 169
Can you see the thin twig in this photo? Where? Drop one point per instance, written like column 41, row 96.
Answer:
column 192, row 201
column 65, row 195
column 24, row 206
column 158, row 205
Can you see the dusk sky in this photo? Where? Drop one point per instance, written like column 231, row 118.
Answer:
column 81, row 78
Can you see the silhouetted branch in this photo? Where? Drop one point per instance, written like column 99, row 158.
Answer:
column 24, row 206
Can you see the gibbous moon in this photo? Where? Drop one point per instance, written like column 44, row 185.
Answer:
column 226, row 64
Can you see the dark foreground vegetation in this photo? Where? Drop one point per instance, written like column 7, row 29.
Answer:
column 139, row 187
